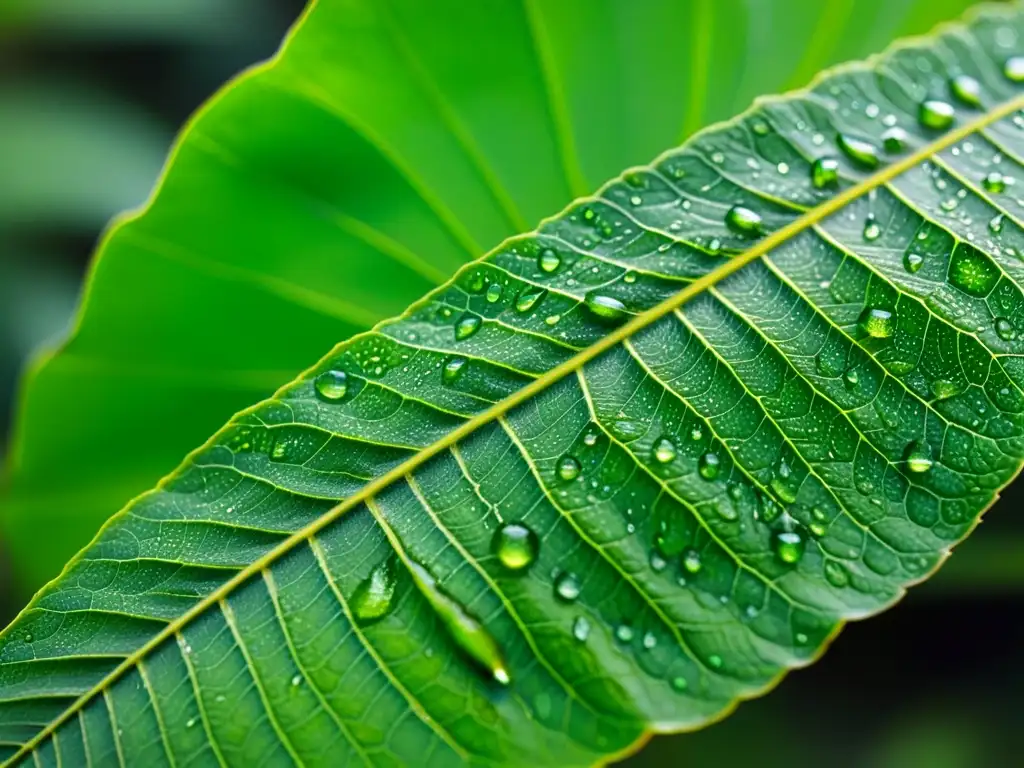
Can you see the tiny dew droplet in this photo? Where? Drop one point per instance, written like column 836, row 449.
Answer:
column 935, row 114
column 1005, row 329
column 605, row 307
column 549, row 260
column 568, row 468
column 825, row 172
column 871, row 228
column 581, row 629
column 493, row 292
column 894, row 140
column 650, row 640
column 515, row 545
column 679, row 684
column 372, row 598
column 657, row 562
column 864, row 153
column 664, row 451
column 466, row 326
column 912, row 261
column 994, row 182
column 691, row 561
column 708, row 465
column 452, row 369
column 1013, row 69
column 966, row 89
column 528, row 300
column 877, row 322
column 919, row 457
column 789, row 546
column 624, row 633
column 743, row 220
column 567, row 587
column 331, row 385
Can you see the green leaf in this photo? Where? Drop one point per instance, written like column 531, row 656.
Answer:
column 303, row 206
column 613, row 478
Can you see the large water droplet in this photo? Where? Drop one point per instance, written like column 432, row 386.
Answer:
column 708, row 465
column 515, row 545
column 863, row 153
column 331, row 385
column 936, row 114
column 825, row 172
column 548, row 260
column 1005, row 329
column 466, row 631
column 743, row 220
column 567, row 587
column 372, row 598
column 568, row 468
column 452, row 369
column 877, row 322
column 919, row 456
column 894, row 140
column 972, row 273
column 789, row 546
column 466, row 326
column 664, row 451
column 1014, row 69
column 966, row 90
column 493, row 292
column 691, row 561
column 528, row 300
column 912, row 261
column 605, row 307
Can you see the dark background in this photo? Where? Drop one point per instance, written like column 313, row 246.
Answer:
column 88, row 107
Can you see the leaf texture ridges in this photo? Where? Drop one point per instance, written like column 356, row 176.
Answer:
column 616, row 476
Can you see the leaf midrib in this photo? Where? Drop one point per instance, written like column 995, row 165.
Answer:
column 533, row 388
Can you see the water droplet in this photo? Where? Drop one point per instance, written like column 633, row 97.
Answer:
column 782, row 483
column 836, row 574
column 679, row 684
column 664, row 451
column 624, row 633
column 515, row 545
column 296, row 681
column 331, row 385
column 657, row 562
column 935, row 114
column 708, row 465
column 372, row 598
column 877, row 322
column 919, row 456
column 567, row 587
column 466, row 327
column 190, row 723
column 789, row 546
column 691, row 561
column 1014, row 69
column 972, row 273
column 1005, row 329
column 994, row 182
column 863, row 153
column 871, row 228
column 581, row 629
column 605, row 307
column 760, row 127
column 493, row 292
column 453, row 369
column 966, row 89
column 590, row 438
column 894, row 140
column 715, row 661
column 744, row 221
column 943, row 389
column 548, row 261
column 782, row 168
column 995, row 224
column 696, row 434
column 912, row 261
column 528, row 300
column 649, row 641
column 465, row 630
column 568, row 468
column 825, row 172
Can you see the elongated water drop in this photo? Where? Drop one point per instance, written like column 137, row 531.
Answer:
column 372, row 598
column 1014, row 69
column 912, row 261
column 691, row 561
column 581, row 629
column 331, row 385
column 894, row 140
column 567, row 587
column 783, row 483
column 466, row 326
column 528, row 300
column 452, row 369
column 994, row 182
column 708, row 465
column 549, row 260
column 919, row 457
column 744, row 221
column 515, row 545
column 836, row 574
column 664, row 451
column 936, row 114
column 863, row 153
column 605, row 307
column 825, row 172
column 471, row 636
column 966, row 90
column 493, row 292
column 789, row 546
column 877, row 322
column 1005, row 329
column 995, row 224
column 568, row 468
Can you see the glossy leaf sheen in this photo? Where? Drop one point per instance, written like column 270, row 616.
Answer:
column 701, row 574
